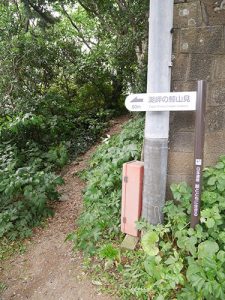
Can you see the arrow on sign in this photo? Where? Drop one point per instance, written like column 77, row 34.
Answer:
column 136, row 99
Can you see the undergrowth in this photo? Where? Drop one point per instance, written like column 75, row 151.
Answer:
column 172, row 261
column 103, row 192
column 33, row 148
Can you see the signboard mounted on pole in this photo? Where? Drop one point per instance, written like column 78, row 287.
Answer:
column 180, row 101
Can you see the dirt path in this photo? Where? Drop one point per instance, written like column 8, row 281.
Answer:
column 49, row 270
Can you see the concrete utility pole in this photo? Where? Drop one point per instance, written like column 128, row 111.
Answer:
column 157, row 123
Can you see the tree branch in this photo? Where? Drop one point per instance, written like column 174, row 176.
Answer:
column 80, row 34
column 93, row 11
column 122, row 5
column 45, row 16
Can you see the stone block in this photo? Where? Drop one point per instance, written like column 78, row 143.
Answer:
column 215, row 118
column 177, row 179
column 213, row 12
column 176, row 41
column 214, row 143
column 179, row 1
column 188, row 15
column 201, row 67
column 180, row 163
column 180, row 178
column 182, row 121
column 210, row 159
column 216, row 93
column 184, row 86
column 202, row 40
column 181, row 142
column 219, row 68
column 129, row 242
column 180, row 67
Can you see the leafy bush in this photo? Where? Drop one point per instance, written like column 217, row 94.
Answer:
column 24, row 192
column 32, row 148
column 189, row 263
column 103, row 193
column 173, row 261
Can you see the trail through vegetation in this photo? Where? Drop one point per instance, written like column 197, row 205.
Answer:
column 173, row 261
column 49, row 269
column 66, row 67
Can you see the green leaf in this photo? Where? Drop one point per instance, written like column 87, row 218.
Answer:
column 150, row 266
column 171, row 260
column 222, row 236
column 219, row 165
column 207, row 249
column 220, row 292
column 198, row 282
column 212, row 180
column 221, row 255
column 149, row 241
column 190, row 245
column 210, row 223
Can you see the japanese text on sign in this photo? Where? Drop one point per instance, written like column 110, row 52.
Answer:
column 175, row 101
column 198, row 163
column 171, row 99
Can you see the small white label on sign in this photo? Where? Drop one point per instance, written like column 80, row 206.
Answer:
column 181, row 101
column 198, row 162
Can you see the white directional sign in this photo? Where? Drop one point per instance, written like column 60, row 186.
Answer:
column 181, row 101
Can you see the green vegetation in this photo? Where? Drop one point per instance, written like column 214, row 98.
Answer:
column 29, row 156
column 173, row 261
column 62, row 77
column 102, row 196
column 2, row 287
column 65, row 68
column 9, row 248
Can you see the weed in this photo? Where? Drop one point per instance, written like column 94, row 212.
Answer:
column 9, row 248
column 173, row 260
column 102, row 196
column 3, row 287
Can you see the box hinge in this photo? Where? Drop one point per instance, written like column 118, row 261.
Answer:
column 125, row 178
column 124, row 219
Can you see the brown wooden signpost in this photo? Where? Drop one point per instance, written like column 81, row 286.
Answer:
column 199, row 152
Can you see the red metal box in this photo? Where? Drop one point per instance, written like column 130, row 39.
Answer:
column 131, row 196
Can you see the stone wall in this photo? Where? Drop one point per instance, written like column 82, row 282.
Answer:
column 198, row 53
